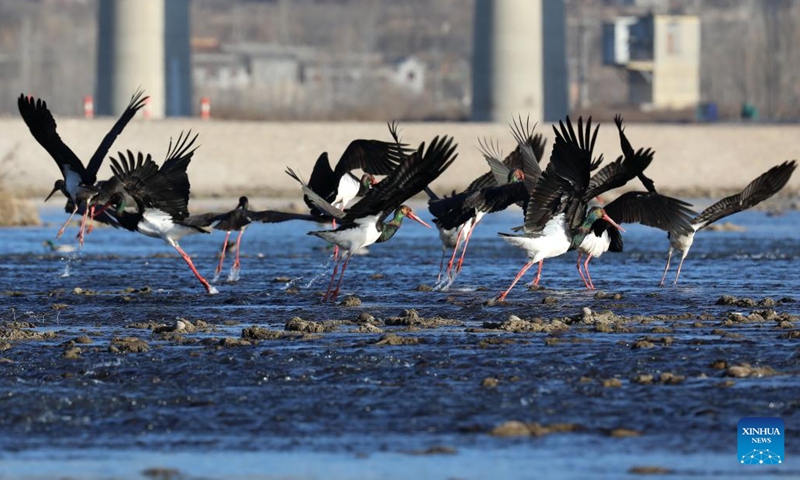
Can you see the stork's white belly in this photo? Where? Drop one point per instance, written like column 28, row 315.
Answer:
column 71, row 182
column 159, row 224
column 551, row 242
column 155, row 223
column 450, row 237
column 594, row 245
column 681, row 242
column 347, row 191
column 353, row 239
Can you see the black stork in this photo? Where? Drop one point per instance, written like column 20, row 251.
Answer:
column 338, row 186
column 457, row 216
column 237, row 220
column 761, row 188
column 558, row 217
column 365, row 222
column 78, row 182
column 647, row 208
column 154, row 200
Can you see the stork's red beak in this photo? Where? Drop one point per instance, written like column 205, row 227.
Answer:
column 51, row 194
column 412, row 216
column 612, row 222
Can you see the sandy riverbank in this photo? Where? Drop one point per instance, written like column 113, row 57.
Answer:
column 250, row 157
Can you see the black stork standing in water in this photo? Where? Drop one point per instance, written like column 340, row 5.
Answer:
column 558, row 217
column 764, row 186
column 237, row 220
column 154, row 201
column 458, row 215
column 647, row 208
column 761, row 188
column 78, row 182
column 365, row 222
column 339, row 186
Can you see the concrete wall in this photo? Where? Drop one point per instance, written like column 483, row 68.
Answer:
column 554, row 57
column 131, row 55
column 250, row 157
column 640, row 87
column 676, row 69
column 507, row 76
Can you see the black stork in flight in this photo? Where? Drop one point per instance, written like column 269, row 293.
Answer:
column 78, row 182
column 457, row 216
column 761, row 188
column 153, row 200
column 365, row 222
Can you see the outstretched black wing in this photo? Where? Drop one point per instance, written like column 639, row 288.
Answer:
column 165, row 189
column 627, row 151
column 179, row 154
column 413, row 174
column 372, row 156
column 618, row 173
column 139, row 176
column 272, row 216
column 562, row 185
column 43, row 128
column 652, row 209
column 323, row 182
column 528, row 144
column 764, row 186
column 315, row 200
column 136, row 103
column 486, row 200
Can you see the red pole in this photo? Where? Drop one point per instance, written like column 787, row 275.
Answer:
column 205, row 108
column 88, row 107
column 147, row 108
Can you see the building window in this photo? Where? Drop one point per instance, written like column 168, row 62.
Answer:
column 673, row 39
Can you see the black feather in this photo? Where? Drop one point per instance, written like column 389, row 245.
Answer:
column 764, row 186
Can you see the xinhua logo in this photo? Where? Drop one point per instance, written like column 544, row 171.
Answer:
column 760, row 441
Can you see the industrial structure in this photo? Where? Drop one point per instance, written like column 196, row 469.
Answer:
column 661, row 56
column 519, row 60
column 144, row 44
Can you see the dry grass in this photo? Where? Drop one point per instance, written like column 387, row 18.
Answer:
column 14, row 211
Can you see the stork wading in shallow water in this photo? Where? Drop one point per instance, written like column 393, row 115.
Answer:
column 154, row 200
column 365, row 222
column 648, row 208
column 237, row 220
column 761, row 188
column 78, row 182
column 339, row 186
column 764, row 186
column 552, row 205
column 651, row 209
column 558, row 217
column 457, row 216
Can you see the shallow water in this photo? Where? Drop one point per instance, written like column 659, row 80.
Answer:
column 339, row 405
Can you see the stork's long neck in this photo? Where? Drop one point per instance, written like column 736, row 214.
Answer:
column 363, row 187
column 581, row 231
column 388, row 229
